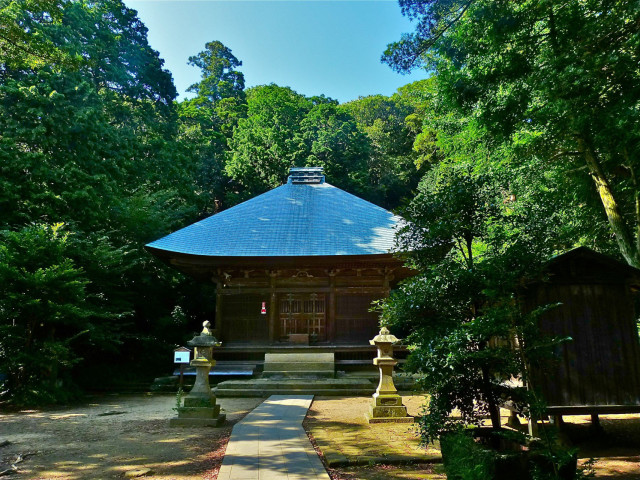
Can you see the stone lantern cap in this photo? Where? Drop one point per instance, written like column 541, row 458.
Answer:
column 384, row 337
column 205, row 339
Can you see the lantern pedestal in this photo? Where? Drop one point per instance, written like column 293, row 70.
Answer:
column 199, row 408
column 386, row 405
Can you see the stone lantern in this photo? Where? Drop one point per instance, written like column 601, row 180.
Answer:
column 386, row 405
column 200, row 408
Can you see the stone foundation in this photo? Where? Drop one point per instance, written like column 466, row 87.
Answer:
column 198, row 412
column 387, row 409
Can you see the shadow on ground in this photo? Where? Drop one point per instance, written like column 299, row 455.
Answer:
column 346, row 440
column 354, row 449
column 616, row 448
column 426, row 471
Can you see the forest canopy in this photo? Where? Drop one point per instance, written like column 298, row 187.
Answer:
column 98, row 159
column 529, row 143
column 522, row 142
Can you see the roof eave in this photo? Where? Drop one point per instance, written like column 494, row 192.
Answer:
column 289, row 260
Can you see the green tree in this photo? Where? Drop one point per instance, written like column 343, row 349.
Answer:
column 472, row 248
column 334, row 142
column 21, row 38
column 563, row 76
column 219, row 79
column 268, row 142
column 93, row 145
column 112, row 40
column 483, row 221
column 208, row 120
column 390, row 172
column 45, row 311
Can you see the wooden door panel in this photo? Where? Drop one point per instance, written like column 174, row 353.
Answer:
column 303, row 313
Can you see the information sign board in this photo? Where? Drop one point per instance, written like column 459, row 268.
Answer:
column 181, row 356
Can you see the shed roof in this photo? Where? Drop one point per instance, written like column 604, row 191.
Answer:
column 587, row 264
column 295, row 219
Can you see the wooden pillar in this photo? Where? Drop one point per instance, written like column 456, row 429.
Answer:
column 386, row 282
column 218, row 321
column 274, row 333
column 331, row 310
column 596, row 428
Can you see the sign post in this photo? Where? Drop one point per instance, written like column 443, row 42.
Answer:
column 181, row 356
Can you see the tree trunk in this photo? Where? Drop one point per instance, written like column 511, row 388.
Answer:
column 637, row 206
column 494, row 409
column 637, row 218
column 612, row 209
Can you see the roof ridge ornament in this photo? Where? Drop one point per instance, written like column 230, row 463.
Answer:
column 306, row 175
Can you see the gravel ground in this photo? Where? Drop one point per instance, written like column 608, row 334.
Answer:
column 114, row 434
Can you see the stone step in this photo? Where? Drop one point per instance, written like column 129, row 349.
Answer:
column 308, row 363
column 298, row 366
column 261, row 383
column 332, row 392
column 264, row 387
column 302, row 374
column 299, row 357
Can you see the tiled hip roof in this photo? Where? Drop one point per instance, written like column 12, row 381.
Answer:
column 292, row 220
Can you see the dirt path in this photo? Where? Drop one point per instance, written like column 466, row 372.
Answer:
column 112, row 435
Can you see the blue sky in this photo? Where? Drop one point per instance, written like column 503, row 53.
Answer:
column 330, row 47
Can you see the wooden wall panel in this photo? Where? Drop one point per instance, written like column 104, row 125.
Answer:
column 242, row 321
column 601, row 364
column 354, row 323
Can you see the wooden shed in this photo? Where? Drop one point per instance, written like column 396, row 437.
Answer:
column 598, row 370
column 297, row 266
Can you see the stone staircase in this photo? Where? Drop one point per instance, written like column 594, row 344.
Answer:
column 264, row 387
column 296, row 373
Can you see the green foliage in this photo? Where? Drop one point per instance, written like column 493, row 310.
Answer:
column 559, row 80
column 504, row 139
column 461, row 313
column 468, row 458
column 46, row 309
column 464, row 459
column 91, row 143
column 117, row 57
column 334, row 142
column 207, row 121
column 219, row 80
column 531, row 105
column 21, row 43
column 179, row 395
column 267, row 143
column 390, row 173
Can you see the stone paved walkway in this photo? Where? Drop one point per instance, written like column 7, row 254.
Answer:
column 270, row 444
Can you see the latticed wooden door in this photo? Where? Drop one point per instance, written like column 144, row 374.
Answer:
column 303, row 313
